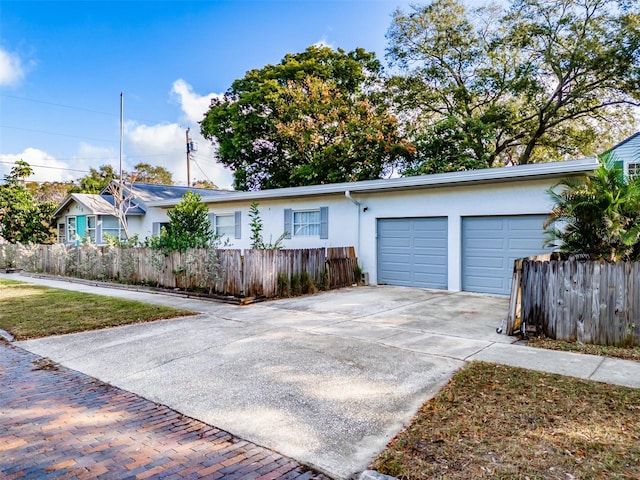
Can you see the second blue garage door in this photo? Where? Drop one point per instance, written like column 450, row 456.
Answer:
column 412, row 252
column 491, row 244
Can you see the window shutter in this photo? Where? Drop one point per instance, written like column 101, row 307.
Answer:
column 238, row 225
column 288, row 222
column 212, row 221
column 155, row 229
column 324, row 222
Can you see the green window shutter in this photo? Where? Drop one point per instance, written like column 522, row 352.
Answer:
column 324, row 222
column 288, row 214
column 238, row 221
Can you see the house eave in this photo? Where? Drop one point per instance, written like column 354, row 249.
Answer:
column 485, row 176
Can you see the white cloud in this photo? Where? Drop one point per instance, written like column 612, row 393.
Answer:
column 11, row 69
column 160, row 144
column 194, row 106
column 165, row 144
column 45, row 167
column 323, row 43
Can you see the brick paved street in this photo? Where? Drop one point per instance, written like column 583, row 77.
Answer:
column 58, row 423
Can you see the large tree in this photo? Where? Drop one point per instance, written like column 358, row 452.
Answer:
column 147, row 173
column 96, row 180
column 540, row 81
column 316, row 117
column 22, row 218
column 54, row 192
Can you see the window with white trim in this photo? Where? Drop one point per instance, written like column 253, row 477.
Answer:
column 156, row 228
column 61, row 233
column 71, row 229
column 91, row 228
column 225, row 225
column 634, row 169
column 306, row 223
column 111, row 226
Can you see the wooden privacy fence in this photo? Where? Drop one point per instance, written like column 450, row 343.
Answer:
column 257, row 273
column 577, row 300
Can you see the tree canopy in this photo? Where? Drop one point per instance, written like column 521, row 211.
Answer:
column 96, row 180
column 22, row 218
column 147, row 173
column 54, row 192
column 540, row 81
column 316, row 117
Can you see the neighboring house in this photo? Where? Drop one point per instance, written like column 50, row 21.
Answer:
column 455, row 231
column 627, row 154
column 92, row 216
column 89, row 216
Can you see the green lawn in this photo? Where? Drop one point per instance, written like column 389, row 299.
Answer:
column 30, row 311
column 494, row 421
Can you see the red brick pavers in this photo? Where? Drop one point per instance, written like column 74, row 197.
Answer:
column 59, row 423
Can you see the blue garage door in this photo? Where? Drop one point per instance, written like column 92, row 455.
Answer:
column 413, row 252
column 491, row 244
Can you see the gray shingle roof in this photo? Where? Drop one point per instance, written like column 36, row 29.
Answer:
column 152, row 193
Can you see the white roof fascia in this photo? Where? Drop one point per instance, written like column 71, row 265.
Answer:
column 487, row 175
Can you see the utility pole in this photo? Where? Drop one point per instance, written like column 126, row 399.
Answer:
column 191, row 147
column 188, row 159
column 120, row 200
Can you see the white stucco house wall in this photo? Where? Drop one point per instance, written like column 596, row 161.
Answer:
column 455, row 231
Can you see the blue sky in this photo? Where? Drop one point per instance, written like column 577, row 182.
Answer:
column 64, row 64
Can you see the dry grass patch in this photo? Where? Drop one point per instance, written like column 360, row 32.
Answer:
column 626, row 353
column 494, row 421
column 30, row 311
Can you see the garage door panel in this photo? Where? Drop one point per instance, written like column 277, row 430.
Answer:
column 438, row 244
column 486, row 283
column 396, row 258
column 392, row 243
column 481, row 244
column 394, row 226
column 413, row 252
column 491, row 244
column 428, row 264
column 524, row 243
column 484, row 262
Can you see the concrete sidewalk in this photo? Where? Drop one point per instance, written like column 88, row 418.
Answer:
column 327, row 379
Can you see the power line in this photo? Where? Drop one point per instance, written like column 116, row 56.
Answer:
column 51, row 167
column 200, row 168
column 54, row 133
column 73, row 107
column 57, row 104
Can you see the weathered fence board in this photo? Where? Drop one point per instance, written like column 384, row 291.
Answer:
column 578, row 300
column 257, row 273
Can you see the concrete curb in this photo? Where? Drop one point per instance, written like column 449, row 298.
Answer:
column 6, row 336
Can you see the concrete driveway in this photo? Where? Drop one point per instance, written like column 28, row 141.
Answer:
column 327, row 379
